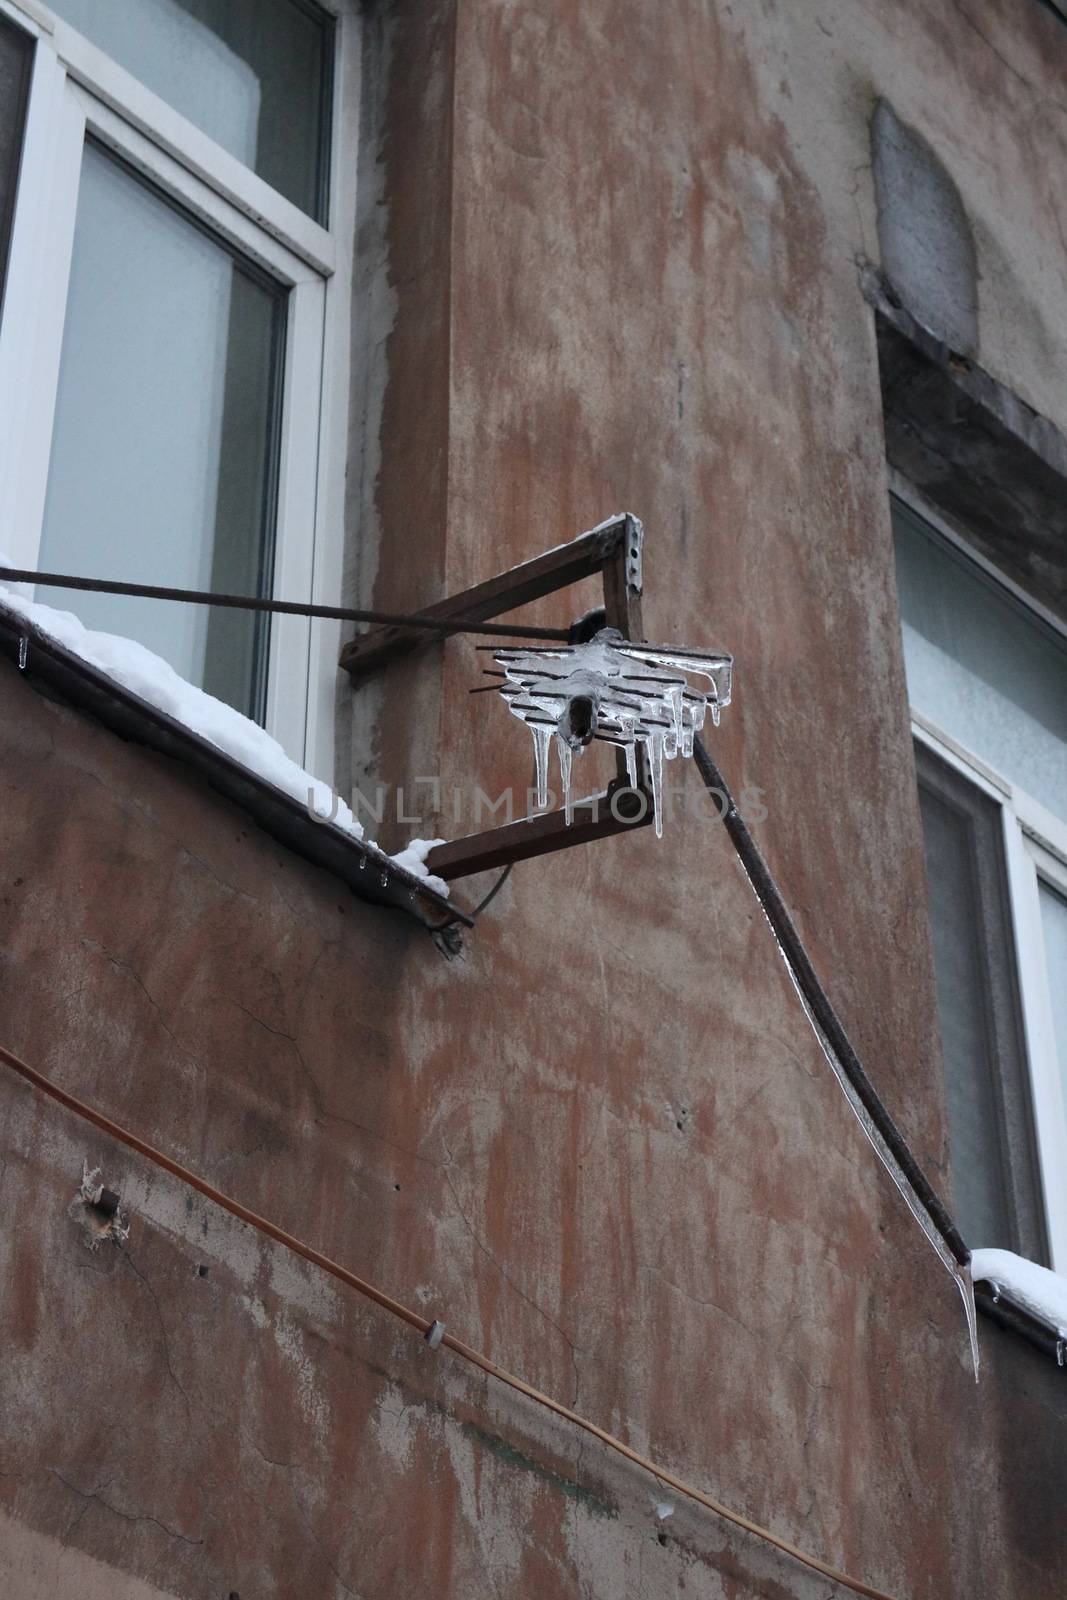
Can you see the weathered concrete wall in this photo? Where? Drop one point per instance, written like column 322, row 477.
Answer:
column 602, row 1145
column 924, row 236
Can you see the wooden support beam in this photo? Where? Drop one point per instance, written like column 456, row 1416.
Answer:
column 555, row 569
column 618, row 810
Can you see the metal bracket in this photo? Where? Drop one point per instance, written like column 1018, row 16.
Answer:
column 614, row 549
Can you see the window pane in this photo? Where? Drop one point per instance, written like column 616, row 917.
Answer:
column 254, row 74
column 981, row 1199
column 1054, row 922
column 980, row 666
column 16, row 55
column 164, row 449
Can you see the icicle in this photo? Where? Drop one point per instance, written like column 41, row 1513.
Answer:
column 715, row 712
column 564, row 751
column 542, row 734
column 631, row 753
column 640, row 695
column 24, row 646
column 675, row 698
column 655, row 769
column 965, row 1284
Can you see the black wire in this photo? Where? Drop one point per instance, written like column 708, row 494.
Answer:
column 494, row 891
column 148, row 591
column 450, row 922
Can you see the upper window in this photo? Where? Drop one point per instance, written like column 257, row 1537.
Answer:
column 172, row 379
column 987, row 681
column 982, row 663
column 255, row 75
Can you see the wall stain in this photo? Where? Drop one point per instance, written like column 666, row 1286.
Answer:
column 515, row 1458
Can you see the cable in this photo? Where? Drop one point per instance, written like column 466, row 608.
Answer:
column 294, row 608
column 494, row 891
column 450, row 922
column 423, row 1324
column 829, row 1024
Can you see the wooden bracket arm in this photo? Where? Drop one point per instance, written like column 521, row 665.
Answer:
column 613, row 548
column 618, row 809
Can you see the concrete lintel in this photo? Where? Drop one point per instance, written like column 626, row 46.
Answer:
column 985, row 459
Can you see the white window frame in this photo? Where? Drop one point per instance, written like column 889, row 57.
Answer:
column 77, row 91
column 1035, row 845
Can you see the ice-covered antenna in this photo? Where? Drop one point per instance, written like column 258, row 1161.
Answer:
column 627, row 694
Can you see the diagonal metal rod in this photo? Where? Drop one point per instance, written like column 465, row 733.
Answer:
column 568, row 650
column 821, row 1009
column 293, row 608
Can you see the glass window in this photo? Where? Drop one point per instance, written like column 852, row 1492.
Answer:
column 990, row 673
column 255, row 75
column 974, row 1125
column 16, row 54
column 1054, row 925
column 995, row 1178
column 164, row 458
column 981, row 665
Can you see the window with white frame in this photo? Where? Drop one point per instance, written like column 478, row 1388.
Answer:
column 987, row 680
column 172, row 379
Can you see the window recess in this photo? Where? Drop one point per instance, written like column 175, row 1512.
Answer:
column 987, row 678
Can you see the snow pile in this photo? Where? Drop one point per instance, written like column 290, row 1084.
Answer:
column 154, row 680
column 413, row 859
column 1037, row 1290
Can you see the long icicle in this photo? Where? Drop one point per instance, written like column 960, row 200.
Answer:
column 542, row 737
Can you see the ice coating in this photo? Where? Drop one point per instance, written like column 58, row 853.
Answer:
column 625, row 693
column 961, row 1275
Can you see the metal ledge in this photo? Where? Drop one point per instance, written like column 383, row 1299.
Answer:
column 1002, row 1310
column 52, row 669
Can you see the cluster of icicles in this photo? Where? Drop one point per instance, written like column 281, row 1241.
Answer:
column 618, row 691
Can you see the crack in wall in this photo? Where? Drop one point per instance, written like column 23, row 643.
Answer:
column 94, row 1495
column 162, row 1329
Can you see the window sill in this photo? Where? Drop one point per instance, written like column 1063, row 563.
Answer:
column 379, row 881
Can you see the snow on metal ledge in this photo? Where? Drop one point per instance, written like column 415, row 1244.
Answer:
column 372, row 875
